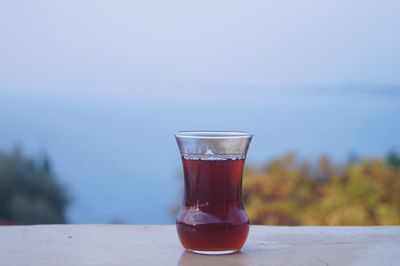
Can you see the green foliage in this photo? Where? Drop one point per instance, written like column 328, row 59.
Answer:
column 393, row 159
column 29, row 191
column 288, row 192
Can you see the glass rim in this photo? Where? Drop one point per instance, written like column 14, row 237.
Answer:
column 213, row 134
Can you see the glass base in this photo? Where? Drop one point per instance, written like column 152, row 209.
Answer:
column 206, row 252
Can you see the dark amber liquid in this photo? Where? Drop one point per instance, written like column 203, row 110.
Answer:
column 213, row 218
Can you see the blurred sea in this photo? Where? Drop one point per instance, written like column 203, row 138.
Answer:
column 119, row 158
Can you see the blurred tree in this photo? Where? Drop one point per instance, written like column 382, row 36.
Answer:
column 287, row 192
column 393, row 159
column 29, row 191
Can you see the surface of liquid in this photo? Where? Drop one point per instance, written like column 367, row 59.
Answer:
column 212, row 218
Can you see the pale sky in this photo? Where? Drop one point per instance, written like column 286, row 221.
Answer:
column 170, row 49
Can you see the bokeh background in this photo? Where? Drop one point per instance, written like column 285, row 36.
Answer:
column 91, row 93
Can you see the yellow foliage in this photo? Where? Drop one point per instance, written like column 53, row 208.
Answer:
column 287, row 192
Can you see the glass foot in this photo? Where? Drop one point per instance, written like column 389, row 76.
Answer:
column 206, row 252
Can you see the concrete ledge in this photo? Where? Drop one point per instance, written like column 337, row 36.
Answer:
column 44, row 245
